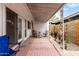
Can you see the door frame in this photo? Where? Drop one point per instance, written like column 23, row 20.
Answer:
column 15, row 26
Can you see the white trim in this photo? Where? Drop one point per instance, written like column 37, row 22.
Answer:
column 20, row 40
column 14, row 47
column 73, row 15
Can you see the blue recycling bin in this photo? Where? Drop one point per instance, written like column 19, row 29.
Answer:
column 4, row 45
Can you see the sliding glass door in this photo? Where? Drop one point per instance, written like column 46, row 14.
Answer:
column 19, row 28
column 11, row 26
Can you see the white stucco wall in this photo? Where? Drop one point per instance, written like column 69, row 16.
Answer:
column 41, row 26
column 24, row 13
column 22, row 10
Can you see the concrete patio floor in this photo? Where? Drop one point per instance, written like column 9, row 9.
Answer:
column 37, row 47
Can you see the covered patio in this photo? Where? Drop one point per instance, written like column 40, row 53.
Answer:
column 29, row 27
column 40, row 44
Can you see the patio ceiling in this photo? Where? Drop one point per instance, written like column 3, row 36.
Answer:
column 43, row 11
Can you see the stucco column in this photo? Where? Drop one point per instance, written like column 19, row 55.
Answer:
column 4, row 19
column 23, row 28
column 1, row 20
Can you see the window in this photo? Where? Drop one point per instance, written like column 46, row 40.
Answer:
column 29, row 25
column 25, row 28
column 19, row 28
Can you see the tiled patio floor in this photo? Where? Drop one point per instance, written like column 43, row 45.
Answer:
column 37, row 47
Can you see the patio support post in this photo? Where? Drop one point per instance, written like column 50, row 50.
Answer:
column 62, row 25
column 2, row 20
